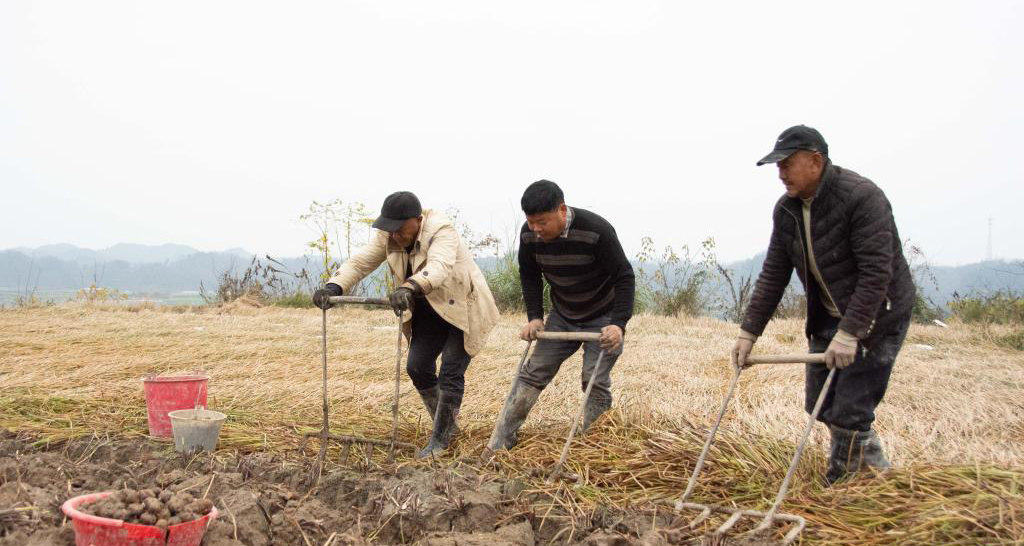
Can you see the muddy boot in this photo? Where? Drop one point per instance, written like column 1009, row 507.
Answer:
column 444, row 425
column 873, row 454
column 518, row 406
column 840, row 454
column 429, row 397
column 594, row 408
column 853, row 451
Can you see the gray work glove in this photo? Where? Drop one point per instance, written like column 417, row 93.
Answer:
column 842, row 351
column 401, row 300
column 741, row 349
column 320, row 297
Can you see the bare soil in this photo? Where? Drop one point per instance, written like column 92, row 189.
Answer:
column 266, row 500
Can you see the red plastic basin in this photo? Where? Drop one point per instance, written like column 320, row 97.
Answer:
column 96, row 531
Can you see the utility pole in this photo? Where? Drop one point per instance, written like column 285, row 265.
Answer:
column 988, row 254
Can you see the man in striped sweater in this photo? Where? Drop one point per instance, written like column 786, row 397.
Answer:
column 592, row 290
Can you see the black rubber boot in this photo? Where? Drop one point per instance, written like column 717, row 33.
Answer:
column 444, row 425
column 594, row 408
column 518, row 406
column 429, row 397
column 874, row 455
column 853, row 451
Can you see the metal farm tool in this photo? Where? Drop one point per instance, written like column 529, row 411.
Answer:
column 772, row 516
column 556, row 472
column 324, row 433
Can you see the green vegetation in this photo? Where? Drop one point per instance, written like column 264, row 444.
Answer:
column 670, row 283
column 504, row 283
column 995, row 307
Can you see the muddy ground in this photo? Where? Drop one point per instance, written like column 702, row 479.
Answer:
column 266, row 500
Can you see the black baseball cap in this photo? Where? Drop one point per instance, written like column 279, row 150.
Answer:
column 797, row 137
column 398, row 207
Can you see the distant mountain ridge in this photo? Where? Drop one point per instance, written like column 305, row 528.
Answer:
column 948, row 279
column 125, row 267
column 172, row 268
column 125, row 252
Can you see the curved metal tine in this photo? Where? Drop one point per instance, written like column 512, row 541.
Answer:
column 798, row 522
column 704, row 514
column 794, row 532
column 733, row 518
column 711, row 438
column 770, row 515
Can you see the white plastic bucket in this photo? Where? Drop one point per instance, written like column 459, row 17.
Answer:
column 196, row 429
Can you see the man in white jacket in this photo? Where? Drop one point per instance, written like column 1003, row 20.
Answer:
column 450, row 309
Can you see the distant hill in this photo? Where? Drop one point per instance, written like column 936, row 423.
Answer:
column 125, row 267
column 949, row 280
column 125, row 252
column 176, row 268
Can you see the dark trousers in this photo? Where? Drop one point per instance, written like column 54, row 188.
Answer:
column 548, row 356
column 858, row 389
column 433, row 336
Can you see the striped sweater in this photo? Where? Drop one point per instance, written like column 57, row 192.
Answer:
column 586, row 267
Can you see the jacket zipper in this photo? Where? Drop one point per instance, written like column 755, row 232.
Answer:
column 807, row 231
column 807, row 267
column 803, row 245
column 803, row 251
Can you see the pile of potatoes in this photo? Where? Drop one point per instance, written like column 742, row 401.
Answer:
column 159, row 507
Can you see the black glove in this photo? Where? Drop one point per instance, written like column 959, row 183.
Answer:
column 401, row 300
column 320, row 296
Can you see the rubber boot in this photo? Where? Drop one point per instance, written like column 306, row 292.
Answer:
column 444, row 425
column 594, row 408
column 853, row 451
column 518, row 406
column 874, row 455
column 429, row 397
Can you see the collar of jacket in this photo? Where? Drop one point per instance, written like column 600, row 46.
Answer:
column 828, row 176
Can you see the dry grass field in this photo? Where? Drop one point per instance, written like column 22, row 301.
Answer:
column 952, row 422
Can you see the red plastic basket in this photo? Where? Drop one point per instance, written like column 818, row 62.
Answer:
column 96, row 531
column 165, row 394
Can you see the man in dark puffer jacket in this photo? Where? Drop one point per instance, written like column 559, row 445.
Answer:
column 836, row 229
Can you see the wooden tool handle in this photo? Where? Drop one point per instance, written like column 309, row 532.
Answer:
column 811, row 358
column 358, row 300
column 569, row 336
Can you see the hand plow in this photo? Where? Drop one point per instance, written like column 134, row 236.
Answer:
column 772, row 517
column 324, row 433
column 556, row 471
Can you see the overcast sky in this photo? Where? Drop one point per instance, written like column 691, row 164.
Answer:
column 215, row 124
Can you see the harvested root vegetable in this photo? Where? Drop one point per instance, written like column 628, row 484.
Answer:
column 160, row 507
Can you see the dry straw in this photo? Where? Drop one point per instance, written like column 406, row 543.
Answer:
column 953, row 420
